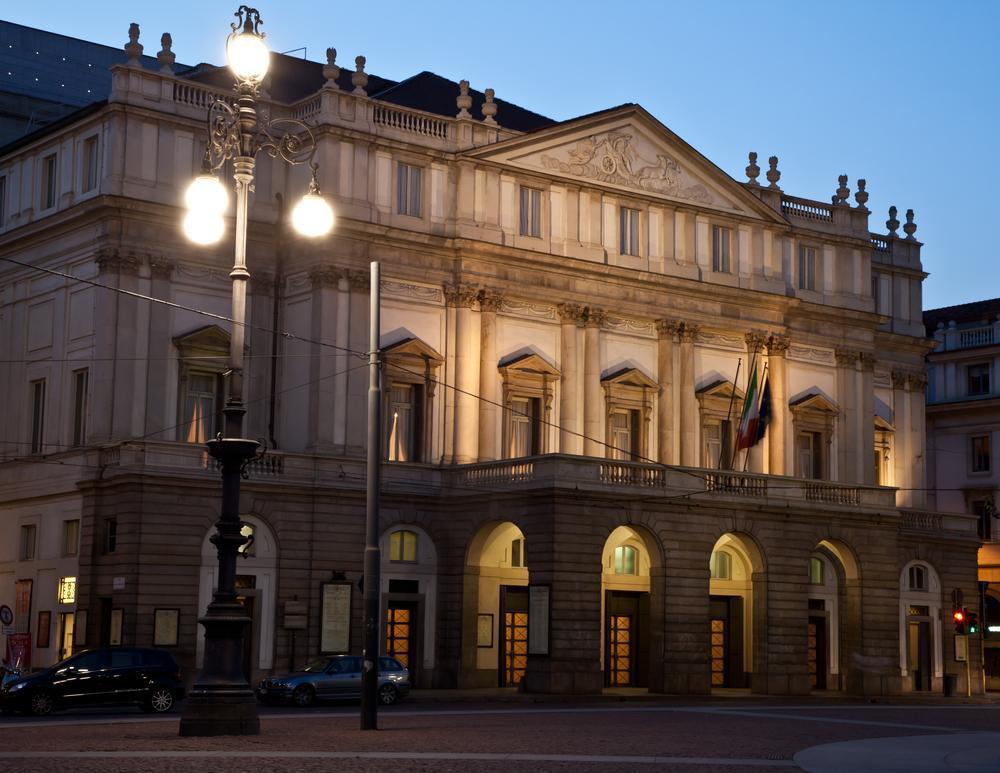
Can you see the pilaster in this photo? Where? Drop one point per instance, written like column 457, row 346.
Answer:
column 777, row 445
column 688, row 399
column 464, row 298
column 668, row 332
column 572, row 318
column 489, row 424
column 593, row 397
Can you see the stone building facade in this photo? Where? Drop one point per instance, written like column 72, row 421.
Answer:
column 570, row 311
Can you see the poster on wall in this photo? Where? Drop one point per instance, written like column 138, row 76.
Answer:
column 18, row 652
column 165, row 624
column 335, row 618
column 538, row 620
column 22, row 606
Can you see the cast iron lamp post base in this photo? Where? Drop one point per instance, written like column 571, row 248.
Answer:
column 221, row 702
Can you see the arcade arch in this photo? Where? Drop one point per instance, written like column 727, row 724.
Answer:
column 625, row 608
column 733, row 599
column 921, row 662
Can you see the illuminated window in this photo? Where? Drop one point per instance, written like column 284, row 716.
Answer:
column 403, row 546
column 202, row 398
column 525, row 429
column 402, row 422
column 815, row 571
column 67, row 590
column 625, row 560
column 720, row 565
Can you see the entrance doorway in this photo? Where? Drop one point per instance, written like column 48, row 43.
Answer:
column 816, row 652
column 626, row 644
column 401, row 635
column 726, row 641
column 513, row 634
column 67, row 630
column 919, row 652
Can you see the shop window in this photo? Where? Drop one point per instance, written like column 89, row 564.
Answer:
column 403, row 546
column 720, row 565
column 626, row 560
column 528, row 388
column 67, row 590
column 722, row 240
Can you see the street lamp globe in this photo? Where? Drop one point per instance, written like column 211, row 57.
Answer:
column 248, row 55
column 313, row 216
column 204, row 227
column 206, row 194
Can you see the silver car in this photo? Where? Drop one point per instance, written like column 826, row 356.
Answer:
column 336, row 677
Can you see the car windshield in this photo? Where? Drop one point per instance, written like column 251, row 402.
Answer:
column 318, row 664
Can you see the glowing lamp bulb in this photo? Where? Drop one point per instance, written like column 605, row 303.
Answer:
column 312, row 216
column 206, row 195
column 248, row 56
column 959, row 616
column 204, row 227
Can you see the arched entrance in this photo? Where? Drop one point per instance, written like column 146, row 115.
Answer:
column 834, row 616
column 408, row 599
column 625, row 593
column 921, row 661
column 734, row 561
column 496, row 608
column 256, row 581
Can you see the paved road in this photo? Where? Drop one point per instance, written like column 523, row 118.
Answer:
column 675, row 735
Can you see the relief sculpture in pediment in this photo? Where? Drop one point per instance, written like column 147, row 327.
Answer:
column 611, row 158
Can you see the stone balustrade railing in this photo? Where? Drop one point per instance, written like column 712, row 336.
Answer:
column 881, row 244
column 979, row 336
column 920, row 520
column 806, row 209
column 411, row 121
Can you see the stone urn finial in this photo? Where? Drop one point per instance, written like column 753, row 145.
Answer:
column 359, row 78
column 133, row 49
column 489, row 108
column 463, row 100
column 330, row 70
column 862, row 195
column 166, row 57
column 753, row 171
column 909, row 227
column 773, row 175
column 842, row 192
column 892, row 223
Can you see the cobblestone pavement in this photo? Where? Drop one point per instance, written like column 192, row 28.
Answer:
column 642, row 736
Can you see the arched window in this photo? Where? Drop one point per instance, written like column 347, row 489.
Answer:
column 720, row 565
column 816, row 572
column 403, row 546
column 918, row 577
column 625, row 560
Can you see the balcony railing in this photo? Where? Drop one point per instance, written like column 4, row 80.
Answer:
column 411, row 121
column 979, row 336
column 804, row 208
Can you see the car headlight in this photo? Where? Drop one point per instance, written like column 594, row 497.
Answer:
column 18, row 686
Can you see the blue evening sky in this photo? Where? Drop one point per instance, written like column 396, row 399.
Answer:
column 902, row 93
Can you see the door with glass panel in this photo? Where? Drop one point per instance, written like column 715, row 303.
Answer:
column 513, row 634
column 523, row 427
column 400, row 633
column 726, row 641
column 626, row 638
column 816, row 652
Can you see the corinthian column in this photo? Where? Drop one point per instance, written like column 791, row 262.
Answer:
column 847, row 437
column 688, row 400
column 489, row 428
column 570, row 432
column 467, row 361
column 866, row 418
column 777, row 433
column 901, row 451
column 755, row 341
column 668, row 331
column 593, row 397
column 917, row 384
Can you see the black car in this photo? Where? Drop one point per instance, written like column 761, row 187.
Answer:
column 112, row 676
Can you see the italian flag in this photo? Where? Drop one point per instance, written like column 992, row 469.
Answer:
column 750, row 417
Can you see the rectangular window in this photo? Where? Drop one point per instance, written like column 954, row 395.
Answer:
column 815, row 571
column 625, row 435
column 628, row 231
column 202, row 399
column 983, row 508
column 408, row 189
column 403, row 546
column 79, row 407
column 29, row 533
column 718, row 446
column 67, row 590
column 37, row 416
column 89, row 176
column 722, row 239
column 979, row 379
column 48, row 181
column 810, row 450
column 403, row 420
column 517, row 553
column 3, row 200
column 807, row 268
column 980, row 453
column 71, row 537
column 524, row 429
column 110, row 535
column 531, row 212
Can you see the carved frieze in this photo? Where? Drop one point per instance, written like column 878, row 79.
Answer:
column 627, row 325
column 815, row 354
column 527, row 309
column 611, row 157
column 719, row 340
column 400, row 289
column 114, row 262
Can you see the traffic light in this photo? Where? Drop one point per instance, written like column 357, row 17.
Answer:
column 972, row 620
column 959, row 616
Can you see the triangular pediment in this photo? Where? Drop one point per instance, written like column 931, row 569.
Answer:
column 721, row 389
column 530, row 363
column 814, row 401
column 210, row 339
column 413, row 348
column 630, row 377
column 628, row 150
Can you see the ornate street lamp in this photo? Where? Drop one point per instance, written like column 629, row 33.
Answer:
column 221, row 702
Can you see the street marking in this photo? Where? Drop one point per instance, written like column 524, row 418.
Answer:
column 472, row 757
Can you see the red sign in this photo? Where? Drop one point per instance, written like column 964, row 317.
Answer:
column 19, row 650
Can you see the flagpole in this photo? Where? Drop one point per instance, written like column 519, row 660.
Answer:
column 736, row 436
column 729, row 414
column 763, row 381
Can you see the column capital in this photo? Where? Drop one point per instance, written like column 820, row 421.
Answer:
column 110, row 261
column 756, row 339
column 490, row 300
column 572, row 313
column 916, row 381
column 464, row 295
column 846, row 358
column 689, row 332
column 669, row 328
column 777, row 345
column 867, row 361
column 160, row 267
column 595, row 317
column 262, row 283
column 327, row 276
column 899, row 379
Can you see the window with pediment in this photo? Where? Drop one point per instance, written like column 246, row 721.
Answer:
column 720, row 403
column 629, row 402
column 528, row 389
column 204, row 357
column 410, row 376
column 883, row 452
column 814, row 418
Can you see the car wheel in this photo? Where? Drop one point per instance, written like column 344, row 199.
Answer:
column 303, row 696
column 160, row 700
column 387, row 694
column 41, row 704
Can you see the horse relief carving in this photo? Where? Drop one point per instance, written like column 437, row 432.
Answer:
column 611, row 158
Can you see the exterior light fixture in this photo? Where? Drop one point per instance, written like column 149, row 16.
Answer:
column 313, row 216
column 246, row 50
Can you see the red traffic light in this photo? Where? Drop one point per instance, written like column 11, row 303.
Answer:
column 958, row 615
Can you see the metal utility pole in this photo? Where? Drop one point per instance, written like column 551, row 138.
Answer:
column 372, row 581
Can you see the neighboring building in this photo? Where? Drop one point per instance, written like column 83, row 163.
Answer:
column 569, row 313
column 963, row 428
